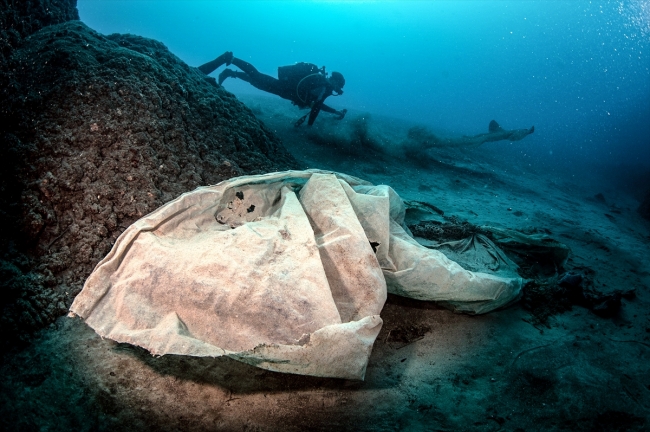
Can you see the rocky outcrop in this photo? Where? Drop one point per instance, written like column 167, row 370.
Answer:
column 19, row 19
column 102, row 131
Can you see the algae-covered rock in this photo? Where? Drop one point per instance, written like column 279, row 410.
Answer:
column 19, row 19
column 103, row 130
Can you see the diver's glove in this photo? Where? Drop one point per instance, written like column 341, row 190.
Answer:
column 342, row 114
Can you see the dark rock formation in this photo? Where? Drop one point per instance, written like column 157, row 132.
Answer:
column 19, row 19
column 546, row 298
column 102, row 131
column 644, row 208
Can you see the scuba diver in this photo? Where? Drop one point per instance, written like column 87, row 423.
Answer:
column 304, row 84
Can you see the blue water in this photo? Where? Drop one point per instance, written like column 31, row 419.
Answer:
column 577, row 70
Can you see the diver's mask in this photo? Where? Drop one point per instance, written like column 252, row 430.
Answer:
column 337, row 81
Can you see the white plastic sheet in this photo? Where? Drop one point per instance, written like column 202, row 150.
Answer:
column 286, row 271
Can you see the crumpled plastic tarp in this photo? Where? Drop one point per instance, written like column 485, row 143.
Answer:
column 286, row 271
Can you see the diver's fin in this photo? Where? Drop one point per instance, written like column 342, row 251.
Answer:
column 494, row 127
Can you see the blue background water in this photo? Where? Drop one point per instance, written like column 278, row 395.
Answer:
column 577, row 70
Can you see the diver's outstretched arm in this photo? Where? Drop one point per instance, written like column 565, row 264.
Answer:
column 211, row 66
column 331, row 110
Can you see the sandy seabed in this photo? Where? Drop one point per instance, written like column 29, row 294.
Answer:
column 430, row 369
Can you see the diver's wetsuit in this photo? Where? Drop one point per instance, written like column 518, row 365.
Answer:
column 318, row 87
